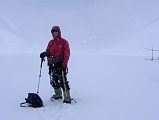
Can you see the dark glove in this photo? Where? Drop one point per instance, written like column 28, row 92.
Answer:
column 42, row 55
column 64, row 67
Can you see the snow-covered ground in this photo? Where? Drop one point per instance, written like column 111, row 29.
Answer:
column 105, row 87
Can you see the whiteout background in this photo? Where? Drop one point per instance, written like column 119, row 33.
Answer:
column 108, row 73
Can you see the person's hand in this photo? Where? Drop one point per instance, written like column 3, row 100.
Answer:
column 42, row 55
column 64, row 67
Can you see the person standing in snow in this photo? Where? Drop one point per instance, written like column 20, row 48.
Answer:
column 58, row 53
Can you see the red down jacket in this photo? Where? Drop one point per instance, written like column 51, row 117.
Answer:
column 58, row 47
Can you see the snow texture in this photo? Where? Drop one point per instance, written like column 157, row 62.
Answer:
column 105, row 87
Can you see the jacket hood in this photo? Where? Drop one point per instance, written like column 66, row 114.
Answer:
column 56, row 28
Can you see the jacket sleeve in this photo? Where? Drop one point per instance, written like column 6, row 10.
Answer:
column 66, row 53
column 48, row 48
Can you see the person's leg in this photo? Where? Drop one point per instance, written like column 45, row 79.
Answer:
column 66, row 88
column 57, row 87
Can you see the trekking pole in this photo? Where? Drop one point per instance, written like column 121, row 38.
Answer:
column 42, row 59
column 64, row 83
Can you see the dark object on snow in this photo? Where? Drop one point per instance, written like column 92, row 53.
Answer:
column 33, row 100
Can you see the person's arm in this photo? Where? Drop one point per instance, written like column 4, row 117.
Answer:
column 48, row 48
column 66, row 54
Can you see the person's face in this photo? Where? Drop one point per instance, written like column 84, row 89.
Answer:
column 55, row 33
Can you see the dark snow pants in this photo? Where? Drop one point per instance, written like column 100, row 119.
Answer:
column 56, row 80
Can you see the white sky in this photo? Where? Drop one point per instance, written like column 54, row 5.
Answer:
column 89, row 25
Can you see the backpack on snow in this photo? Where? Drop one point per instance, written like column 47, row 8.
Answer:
column 33, row 100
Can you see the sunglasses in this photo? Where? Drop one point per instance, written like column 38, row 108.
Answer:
column 54, row 31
